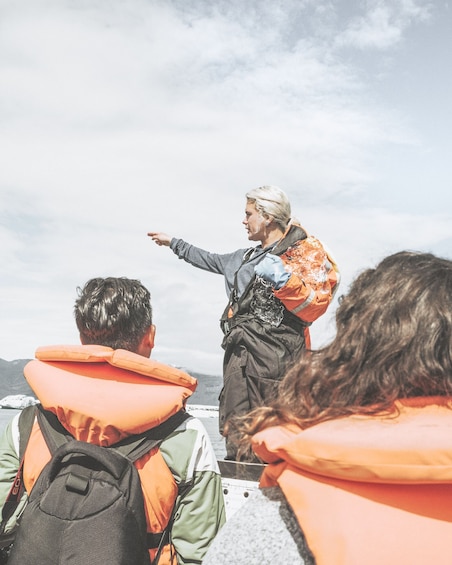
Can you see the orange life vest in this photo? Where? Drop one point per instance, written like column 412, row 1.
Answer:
column 369, row 490
column 314, row 281
column 101, row 396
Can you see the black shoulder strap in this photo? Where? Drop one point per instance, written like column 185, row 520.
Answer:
column 25, row 423
column 136, row 446
column 55, row 434
column 132, row 447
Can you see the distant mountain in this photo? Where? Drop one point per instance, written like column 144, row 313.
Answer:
column 12, row 381
column 208, row 390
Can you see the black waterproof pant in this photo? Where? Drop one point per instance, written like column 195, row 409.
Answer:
column 241, row 392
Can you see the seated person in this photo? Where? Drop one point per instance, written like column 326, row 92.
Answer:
column 108, row 389
column 358, row 442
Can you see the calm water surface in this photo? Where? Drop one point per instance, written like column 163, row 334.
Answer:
column 5, row 416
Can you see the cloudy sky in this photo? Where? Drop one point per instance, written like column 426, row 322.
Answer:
column 118, row 118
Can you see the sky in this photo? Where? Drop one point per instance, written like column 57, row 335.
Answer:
column 119, row 118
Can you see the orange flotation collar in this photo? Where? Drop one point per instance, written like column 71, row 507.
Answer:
column 102, row 395
column 369, row 490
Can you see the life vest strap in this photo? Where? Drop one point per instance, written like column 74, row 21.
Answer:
column 154, row 540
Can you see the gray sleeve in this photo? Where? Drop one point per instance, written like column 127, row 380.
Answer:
column 222, row 264
column 264, row 531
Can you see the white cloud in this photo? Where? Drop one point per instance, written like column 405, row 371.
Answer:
column 118, row 118
column 383, row 23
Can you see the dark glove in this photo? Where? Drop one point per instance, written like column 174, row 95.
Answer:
column 271, row 268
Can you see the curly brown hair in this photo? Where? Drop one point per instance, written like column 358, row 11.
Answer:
column 393, row 341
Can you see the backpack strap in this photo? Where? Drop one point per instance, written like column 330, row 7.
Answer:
column 136, row 446
column 25, row 424
column 26, row 421
column 133, row 447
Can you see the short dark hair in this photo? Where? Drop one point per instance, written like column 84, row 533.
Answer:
column 115, row 312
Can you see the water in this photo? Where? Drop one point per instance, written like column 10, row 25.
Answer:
column 206, row 395
column 5, row 416
column 216, row 439
column 211, row 425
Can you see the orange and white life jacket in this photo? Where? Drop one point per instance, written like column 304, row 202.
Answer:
column 314, row 281
column 101, row 396
column 366, row 489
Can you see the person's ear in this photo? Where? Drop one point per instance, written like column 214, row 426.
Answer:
column 151, row 336
column 147, row 343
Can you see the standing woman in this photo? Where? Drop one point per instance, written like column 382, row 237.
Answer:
column 276, row 290
column 358, row 442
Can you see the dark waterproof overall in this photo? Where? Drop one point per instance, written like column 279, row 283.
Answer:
column 262, row 340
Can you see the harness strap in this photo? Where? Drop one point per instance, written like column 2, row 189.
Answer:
column 154, row 540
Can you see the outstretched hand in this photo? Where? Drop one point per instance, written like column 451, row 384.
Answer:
column 271, row 268
column 160, row 238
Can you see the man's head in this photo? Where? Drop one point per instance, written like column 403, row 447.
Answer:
column 115, row 312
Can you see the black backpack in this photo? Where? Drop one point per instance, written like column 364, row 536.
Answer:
column 87, row 506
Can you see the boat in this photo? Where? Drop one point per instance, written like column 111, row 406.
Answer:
column 238, row 479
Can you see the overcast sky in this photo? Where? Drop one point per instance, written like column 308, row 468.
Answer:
column 118, row 118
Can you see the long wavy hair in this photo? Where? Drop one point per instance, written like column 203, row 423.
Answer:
column 393, row 341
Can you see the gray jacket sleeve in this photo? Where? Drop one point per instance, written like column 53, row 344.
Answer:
column 222, row 264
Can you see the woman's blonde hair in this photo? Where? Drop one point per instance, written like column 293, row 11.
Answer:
column 271, row 202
